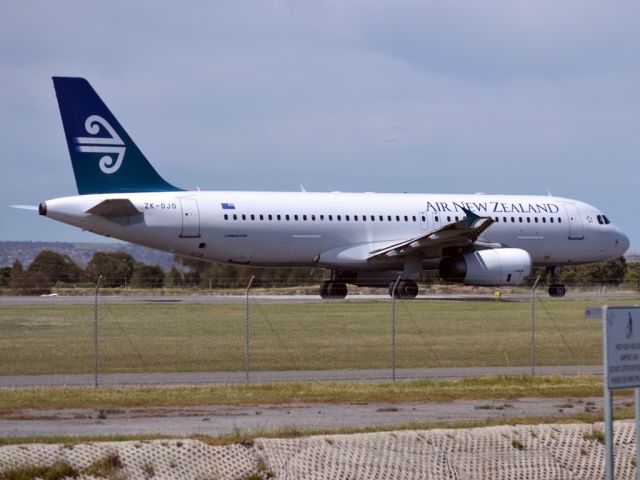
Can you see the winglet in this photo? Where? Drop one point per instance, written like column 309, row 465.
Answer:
column 471, row 217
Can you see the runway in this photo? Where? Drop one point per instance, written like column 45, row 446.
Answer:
column 216, row 298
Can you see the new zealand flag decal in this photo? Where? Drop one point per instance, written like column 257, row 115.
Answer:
column 228, row 206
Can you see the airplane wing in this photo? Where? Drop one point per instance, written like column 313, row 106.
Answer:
column 114, row 207
column 460, row 234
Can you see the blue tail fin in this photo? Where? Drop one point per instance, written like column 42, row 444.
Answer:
column 104, row 158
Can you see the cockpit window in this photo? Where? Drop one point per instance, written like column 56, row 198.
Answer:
column 600, row 220
column 606, row 220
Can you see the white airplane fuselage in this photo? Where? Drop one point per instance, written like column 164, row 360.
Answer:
column 363, row 238
column 339, row 230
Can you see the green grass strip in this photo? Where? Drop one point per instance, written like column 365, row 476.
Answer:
column 497, row 387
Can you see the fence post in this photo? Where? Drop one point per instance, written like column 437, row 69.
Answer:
column 95, row 333
column 247, row 330
column 533, row 325
column 393, row 328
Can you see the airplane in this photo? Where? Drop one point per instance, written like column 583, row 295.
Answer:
column 366, row 239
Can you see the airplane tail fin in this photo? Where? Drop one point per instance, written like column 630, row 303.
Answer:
column 104, row 158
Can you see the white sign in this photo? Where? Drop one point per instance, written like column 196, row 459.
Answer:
column 622, row 331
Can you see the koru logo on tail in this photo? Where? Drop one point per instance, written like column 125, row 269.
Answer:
column 112, row 145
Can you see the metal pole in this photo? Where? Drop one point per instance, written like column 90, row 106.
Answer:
column 608, row 404
column 637, row 412
column 247, row 332
column 533, row 325
column 393, row 328
column 95, row 333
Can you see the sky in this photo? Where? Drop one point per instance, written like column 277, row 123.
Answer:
column 499, row 96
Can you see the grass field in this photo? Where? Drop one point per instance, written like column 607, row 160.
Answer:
column 485, row 388
column 179, row 337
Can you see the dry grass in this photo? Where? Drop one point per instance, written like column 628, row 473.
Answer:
column 103, row 399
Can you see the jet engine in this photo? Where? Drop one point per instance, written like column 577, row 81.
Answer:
column 494, row 267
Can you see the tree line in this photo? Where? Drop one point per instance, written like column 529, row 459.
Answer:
column 119, row 269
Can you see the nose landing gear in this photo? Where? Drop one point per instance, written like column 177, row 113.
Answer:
column 556, row 289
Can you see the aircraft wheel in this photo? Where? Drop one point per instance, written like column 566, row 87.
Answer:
column 557, row 290
column 333, row 290
column 324, row 290
column 406, row 289
column 337, row 290
column 410, row 289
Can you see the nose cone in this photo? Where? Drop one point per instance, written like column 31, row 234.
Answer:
column 622, row 242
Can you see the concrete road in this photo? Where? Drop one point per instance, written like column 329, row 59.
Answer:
column 264, row 419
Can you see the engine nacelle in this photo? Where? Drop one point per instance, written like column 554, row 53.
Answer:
column 494, row 267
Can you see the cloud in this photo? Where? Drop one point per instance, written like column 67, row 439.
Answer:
column 497, row 96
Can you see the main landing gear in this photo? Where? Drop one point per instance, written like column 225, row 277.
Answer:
column 405, row 290
column 333, row 290
column 556, row 289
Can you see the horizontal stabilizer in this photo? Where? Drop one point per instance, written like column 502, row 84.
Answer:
column 115, row 207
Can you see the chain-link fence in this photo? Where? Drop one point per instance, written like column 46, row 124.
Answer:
column 286, row 332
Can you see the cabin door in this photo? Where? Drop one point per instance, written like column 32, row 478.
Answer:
column 190, row 218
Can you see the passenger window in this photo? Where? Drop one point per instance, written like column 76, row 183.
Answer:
column 331, row 218
column 261, row 217
column 520, row 219
column 497, row 219
column 551, row 219
column 389, row 217
column 295, row 217
column 414, row 218
column 355, row 218
column 504, row 219
column 456, row 218
column 278, row 217
column 321, row 218
column 270, row 217
column 559, row 220
column 528, row 219
column 397, row 218
column 381, row 218
column 437, row 218
column 338, row 217
column 513, row 220
column 373, row 218
column 304, row 217
column 406, row 218
column 448, row 218
column 346, row 218
column 286, row 217
column 544, row 219
column 536, row 219
column 235, row 217
column 226, row 217
column 244, row 217
column 313, row 218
